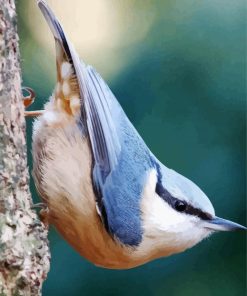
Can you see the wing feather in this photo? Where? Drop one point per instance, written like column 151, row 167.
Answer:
column 121, row 158
column 102, row 131
column 96, row 97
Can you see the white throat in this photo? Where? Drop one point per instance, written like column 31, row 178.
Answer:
column 166, row 231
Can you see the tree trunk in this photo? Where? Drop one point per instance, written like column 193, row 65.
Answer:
column 24, row 253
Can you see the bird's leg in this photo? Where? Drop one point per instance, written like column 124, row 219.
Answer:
column 28, row 100
column 44, row 217
column 40, row 205
column 33, row 113
column 43, row 213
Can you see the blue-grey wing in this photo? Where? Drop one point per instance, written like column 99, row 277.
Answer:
column 98, row 100
column 122, row 159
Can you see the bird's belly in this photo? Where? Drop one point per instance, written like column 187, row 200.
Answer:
column 62, row 173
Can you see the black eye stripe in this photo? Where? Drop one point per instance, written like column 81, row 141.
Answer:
column 173, row 201
column 197, row 212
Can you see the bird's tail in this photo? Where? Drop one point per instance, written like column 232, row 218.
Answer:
column 67, row 92
column 55, row 27
column 92, row 97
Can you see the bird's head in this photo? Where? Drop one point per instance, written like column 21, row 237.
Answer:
column 176, row 214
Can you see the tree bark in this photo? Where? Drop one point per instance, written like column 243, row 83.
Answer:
column 24, row 253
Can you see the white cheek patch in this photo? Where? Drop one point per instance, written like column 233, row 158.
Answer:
column 157, row 213
column 165, row 231
column 164, row 217
column 66, row 70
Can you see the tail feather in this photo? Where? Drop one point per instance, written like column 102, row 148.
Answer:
column 67, row 93
column 55, row 27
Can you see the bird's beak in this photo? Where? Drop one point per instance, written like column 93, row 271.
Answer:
column 219, row 224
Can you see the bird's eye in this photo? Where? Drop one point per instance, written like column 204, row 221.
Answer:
column 180, row 206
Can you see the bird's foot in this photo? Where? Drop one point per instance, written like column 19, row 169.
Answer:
column 28, row 100
column 43, row 213
column 33, row 113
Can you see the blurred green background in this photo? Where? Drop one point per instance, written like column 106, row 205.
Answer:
column 178, row 69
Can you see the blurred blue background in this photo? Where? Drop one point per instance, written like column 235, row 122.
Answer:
column 178, row 68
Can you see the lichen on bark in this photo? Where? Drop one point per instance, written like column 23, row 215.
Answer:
column 24, row 253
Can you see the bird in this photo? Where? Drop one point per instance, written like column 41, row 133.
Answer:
column 104, row 191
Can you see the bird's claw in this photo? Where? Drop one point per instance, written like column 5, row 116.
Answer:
column 43, row 213
column 40, row 205
column 28, row 100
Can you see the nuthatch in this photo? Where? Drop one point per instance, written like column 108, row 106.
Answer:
column 105, row 191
